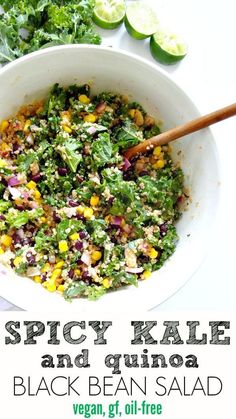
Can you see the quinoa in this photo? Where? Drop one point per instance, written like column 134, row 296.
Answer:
column 75, row 215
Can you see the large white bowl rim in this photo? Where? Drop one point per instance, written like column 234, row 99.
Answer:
column 31, row 77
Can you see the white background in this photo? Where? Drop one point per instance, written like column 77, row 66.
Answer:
column 208, row 75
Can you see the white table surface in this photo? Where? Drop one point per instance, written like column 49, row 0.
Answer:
column 208, row 75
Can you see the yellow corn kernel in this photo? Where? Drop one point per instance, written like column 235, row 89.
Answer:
column 132, row 113
column 37, row 279
column 31, row 185
column 159, row 164
column 84, row 99
column 17, row 261
column 18, row 201
column 27, row 125
column 3, row 163
column 61, row 288
column 46, row 267
column 6, row 240
column 80, row 210
column 77, row 272
column 67, row 129
column 94, row 200
column 43, row 219
column 153, row 253
column 1, row 251
column 51, row 287
column 55, row 274
column 157, row 151
column 146, row 274
column 74, row 236
column 90, row 118
column 59, row 264
column 106, row 283
column 88, row 213
column 107, row 218
column 4, row 125
column 123, row 223
column 63, row 246
column 96, row 255
column 5, row 147
column 37, row 194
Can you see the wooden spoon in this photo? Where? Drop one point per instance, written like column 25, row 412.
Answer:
column 182, row 130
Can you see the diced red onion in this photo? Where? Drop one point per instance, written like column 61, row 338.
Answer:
column 126, row 164
column 25, row 195
column 79, row 178
column 91, row 130
column 14, row 192
column 13, row 181
column 116, row 220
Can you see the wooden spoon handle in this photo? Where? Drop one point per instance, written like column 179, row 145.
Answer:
column 182, row 130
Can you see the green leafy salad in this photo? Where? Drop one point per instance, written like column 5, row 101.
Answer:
column 75, row 215
column 29, row 25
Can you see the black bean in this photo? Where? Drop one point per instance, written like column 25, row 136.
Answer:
column 30, row 258
column 62, row 171
column 79, row 245
column 73, row 203
column 82, row 234
column 37, row 177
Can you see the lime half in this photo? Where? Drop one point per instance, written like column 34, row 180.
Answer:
column 109, row 14
column 140, row 20
column 167, row 48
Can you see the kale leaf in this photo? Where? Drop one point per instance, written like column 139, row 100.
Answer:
column 47, row 22
column 126, row 136
column 102, row 150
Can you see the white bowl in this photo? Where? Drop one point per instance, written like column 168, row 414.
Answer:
column 32, row 76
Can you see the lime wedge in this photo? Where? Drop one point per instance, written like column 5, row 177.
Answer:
column 109, row 14
column 140, row 20
column 167, row 48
